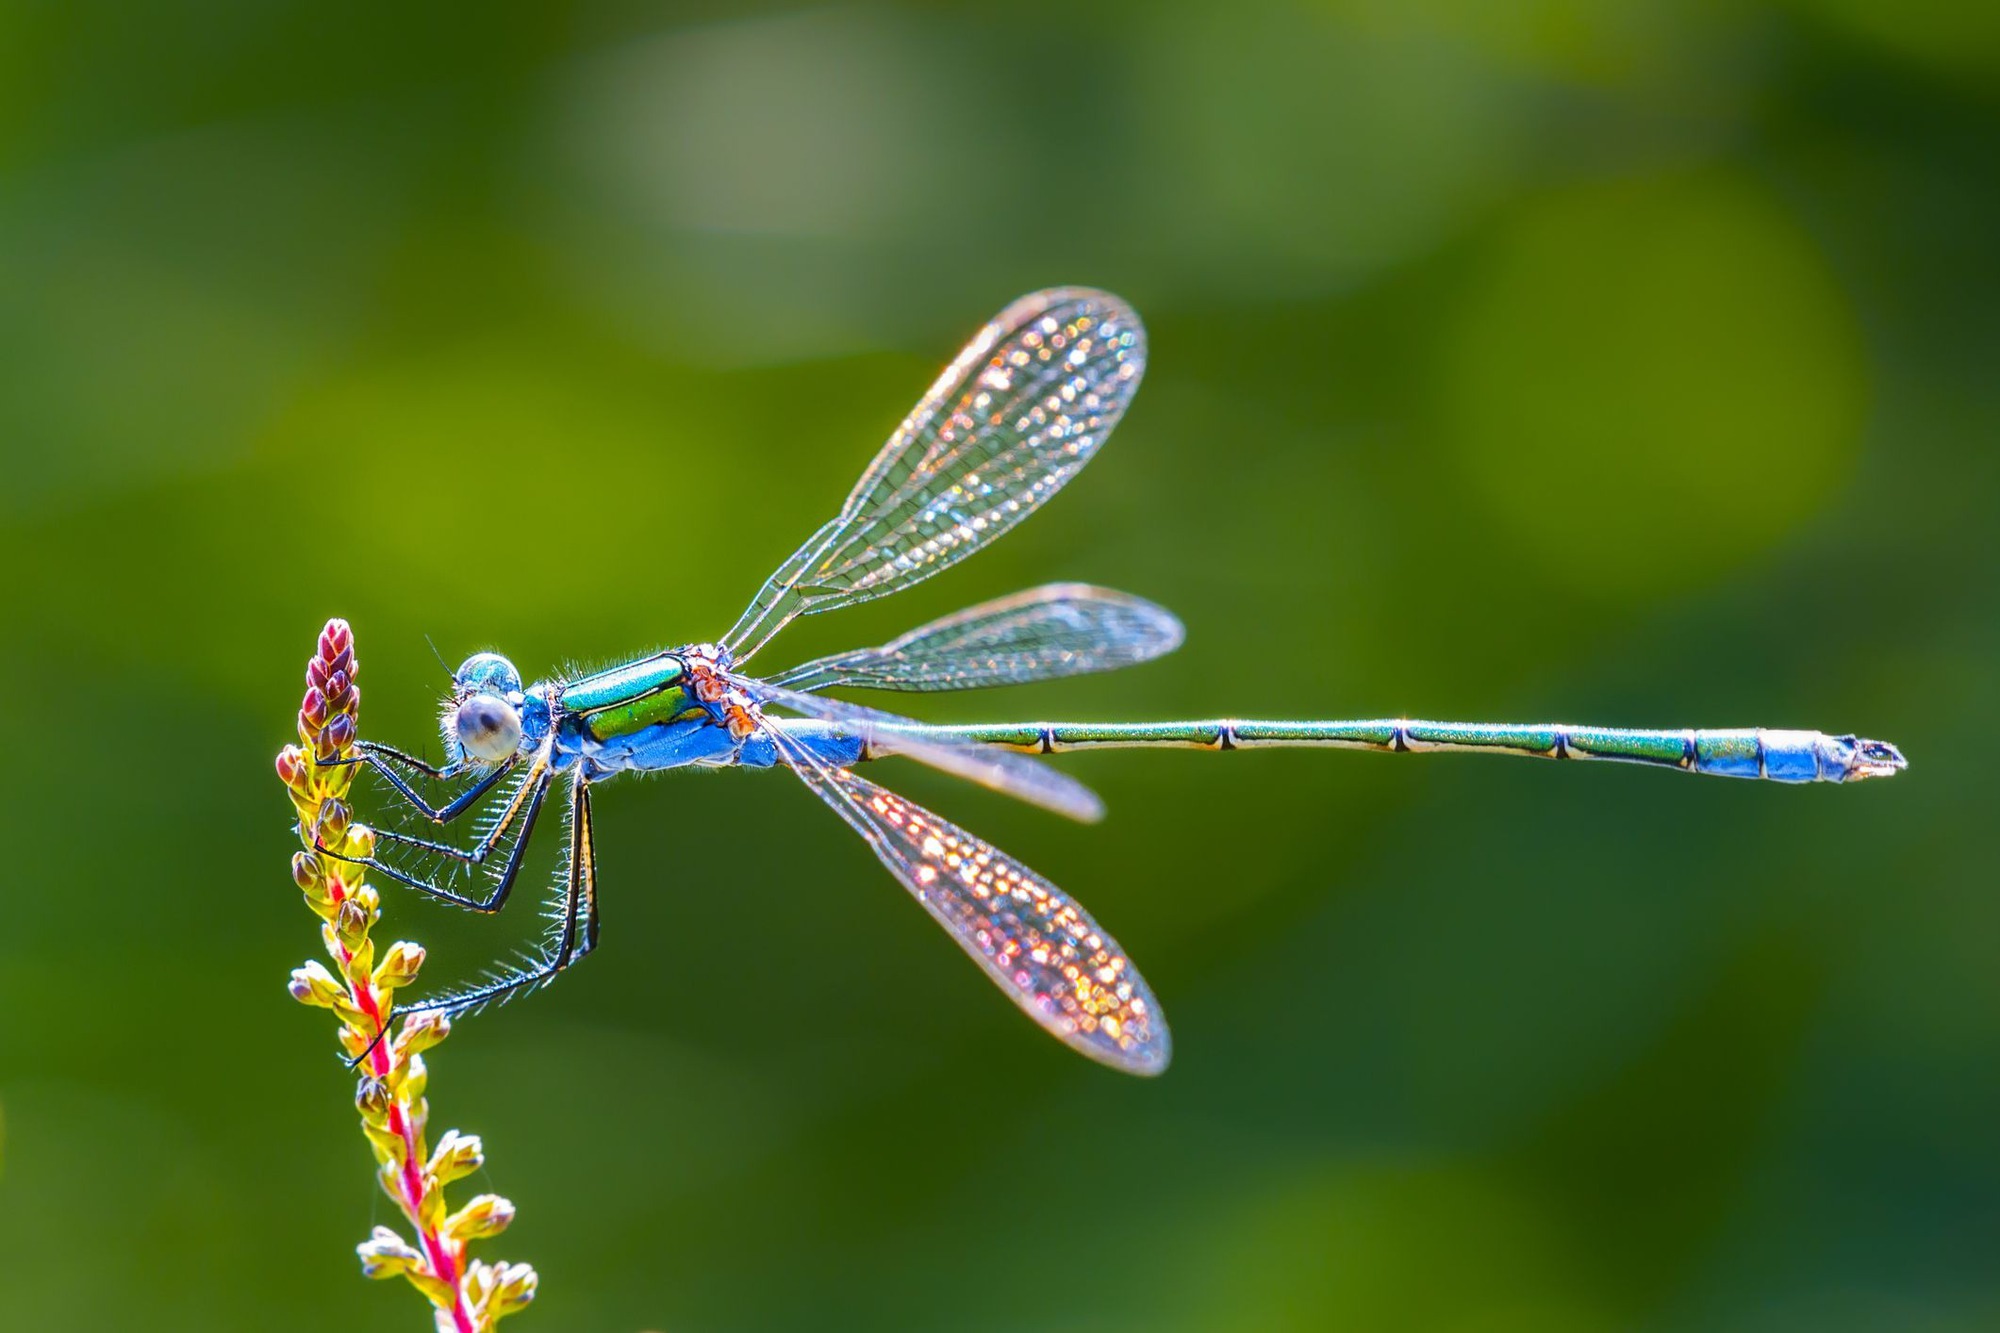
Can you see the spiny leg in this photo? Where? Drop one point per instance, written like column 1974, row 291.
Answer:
column 381, row 759
column 526, row 805
column 405, row 758
column 579, row 909
column 478, row 852
column 585, row 842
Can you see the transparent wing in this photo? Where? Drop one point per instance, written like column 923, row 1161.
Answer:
column 1019, row 413
column 882, row 734
column 1042, row 949
column 1062, row 629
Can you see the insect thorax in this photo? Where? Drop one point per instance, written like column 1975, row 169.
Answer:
column 628, row 698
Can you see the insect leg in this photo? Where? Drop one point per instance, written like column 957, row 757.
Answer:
column 576, row 929
column 381, row 758
column 526, row 805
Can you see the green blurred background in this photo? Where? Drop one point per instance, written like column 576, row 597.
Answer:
column 1626, row 363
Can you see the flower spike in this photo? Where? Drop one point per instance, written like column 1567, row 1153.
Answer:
column 468, row 1296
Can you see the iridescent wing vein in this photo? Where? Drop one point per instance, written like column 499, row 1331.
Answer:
column 1030, row 937
column 1060, row 629
column 1020, row 411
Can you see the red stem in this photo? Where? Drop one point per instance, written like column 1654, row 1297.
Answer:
column 444, row 1263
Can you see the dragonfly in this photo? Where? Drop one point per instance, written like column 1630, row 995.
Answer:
column 1027, row 403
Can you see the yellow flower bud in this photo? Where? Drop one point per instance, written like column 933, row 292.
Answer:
column 513, row 1288
column 430, row 1210
column 372, row 1099
column 356, row 1040
column 457, row 1156
column 408, row 1078
column 386, row 1254
column 313, row 984
column 351, row 924
column 421, row 1033
column 486, row 1215
column 360, row 959
column 398, row 966
column 389, row 1150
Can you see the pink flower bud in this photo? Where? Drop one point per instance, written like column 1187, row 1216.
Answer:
column 336, row 638
column 312, row 708
column 340, row 731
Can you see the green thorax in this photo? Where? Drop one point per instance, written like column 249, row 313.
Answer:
column 626, row 698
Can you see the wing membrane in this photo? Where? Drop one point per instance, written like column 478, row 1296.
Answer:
column 1022, row 409
column 1062, row 629
column 1036, row 943
column 883, row 734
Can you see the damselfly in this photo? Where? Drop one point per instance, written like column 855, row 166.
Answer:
column 1027, row 403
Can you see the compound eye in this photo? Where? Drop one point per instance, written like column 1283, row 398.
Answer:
column 488, row 728
column 487, row 671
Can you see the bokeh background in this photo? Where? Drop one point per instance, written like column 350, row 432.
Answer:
column 1627, row 362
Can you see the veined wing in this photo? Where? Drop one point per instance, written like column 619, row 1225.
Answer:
column 883, row 734
column 1061, row 629
column 1036, row 943
column 1019, row 413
